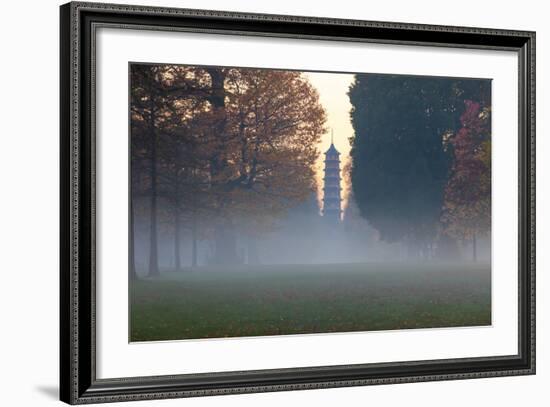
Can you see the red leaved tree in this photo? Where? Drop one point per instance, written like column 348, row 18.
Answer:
column 467, row 206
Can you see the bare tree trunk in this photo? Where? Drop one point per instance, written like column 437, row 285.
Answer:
column 131, row 254
column 153, row 229
column 225, row 247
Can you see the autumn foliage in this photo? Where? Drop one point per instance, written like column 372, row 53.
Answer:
column 221, row 151
column 467, row 209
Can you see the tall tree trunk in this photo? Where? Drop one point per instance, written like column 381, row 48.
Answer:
column 217, row 99
column 153, row 229
column 225, row 249
column 474, row 246
column 194, row 261
column 177, row 240
column 132, row 251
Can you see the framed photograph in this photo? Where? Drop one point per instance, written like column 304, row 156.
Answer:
column 255, row 203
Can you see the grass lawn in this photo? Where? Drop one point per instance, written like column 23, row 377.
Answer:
column 297, row 299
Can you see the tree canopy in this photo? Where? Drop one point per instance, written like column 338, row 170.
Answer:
column 225, row 149
column 467, row 205
column 401, row 161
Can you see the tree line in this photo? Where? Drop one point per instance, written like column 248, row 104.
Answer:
column 421, row 166
column 218, row 152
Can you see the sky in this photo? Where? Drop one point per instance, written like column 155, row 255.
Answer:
column 333, row 88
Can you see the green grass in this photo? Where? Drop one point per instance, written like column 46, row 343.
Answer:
column 297, row 299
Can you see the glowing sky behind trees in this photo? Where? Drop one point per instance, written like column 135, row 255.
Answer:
column 333, row 89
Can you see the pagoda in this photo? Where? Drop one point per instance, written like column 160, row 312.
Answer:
column 332, row 200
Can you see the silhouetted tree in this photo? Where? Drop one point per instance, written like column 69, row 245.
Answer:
column 400, row 165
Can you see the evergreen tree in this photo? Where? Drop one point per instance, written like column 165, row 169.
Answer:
column 400, row 162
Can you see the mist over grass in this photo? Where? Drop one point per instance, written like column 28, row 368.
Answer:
column 260, row 300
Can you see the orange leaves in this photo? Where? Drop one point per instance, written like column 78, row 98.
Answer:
column 229, row 142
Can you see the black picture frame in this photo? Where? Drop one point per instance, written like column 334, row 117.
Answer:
column 78, row 382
